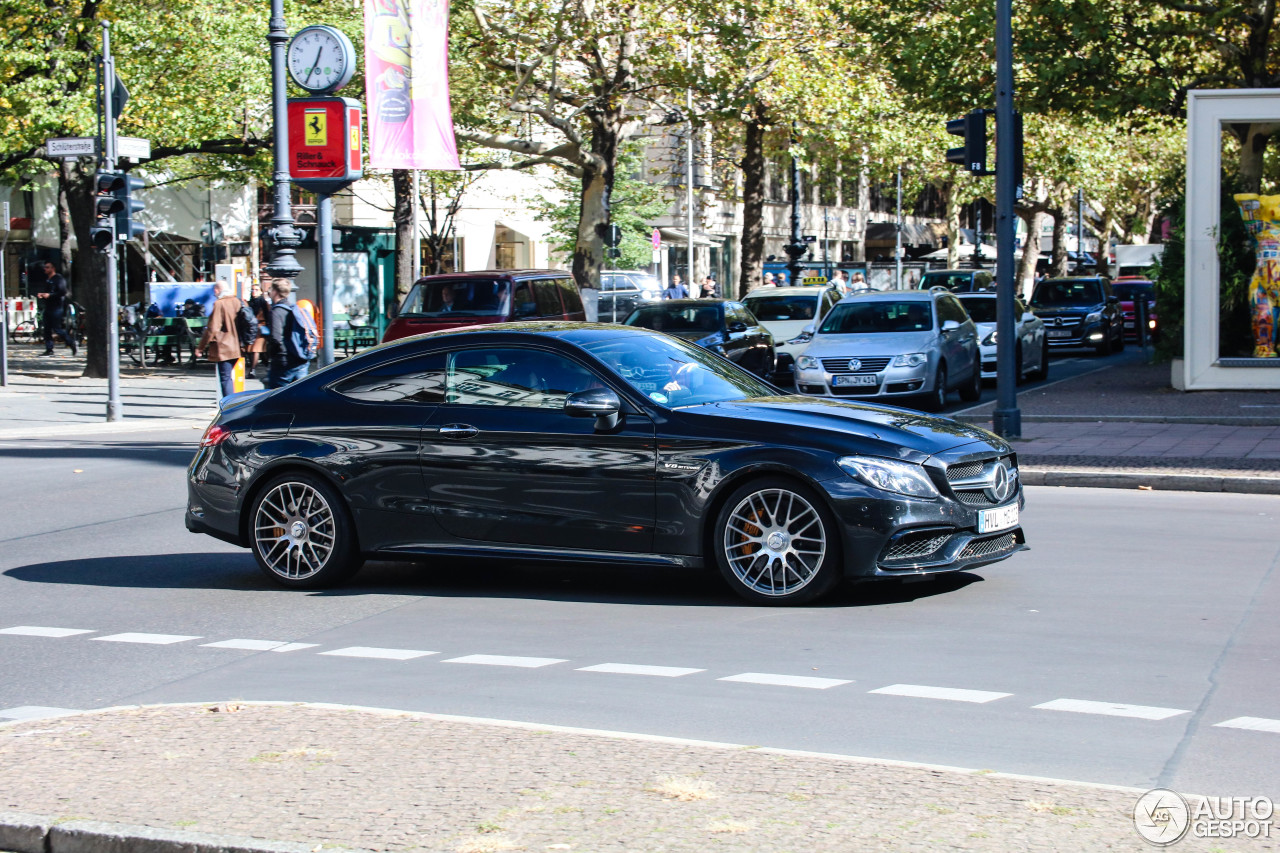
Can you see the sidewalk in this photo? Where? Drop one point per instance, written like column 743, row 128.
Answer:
column 313, row 777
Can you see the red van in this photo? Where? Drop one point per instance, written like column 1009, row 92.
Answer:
column 492, row 296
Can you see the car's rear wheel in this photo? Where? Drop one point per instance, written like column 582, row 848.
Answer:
column 776, row 542
column 972, row 392
column 301, row 534
column 936, row 400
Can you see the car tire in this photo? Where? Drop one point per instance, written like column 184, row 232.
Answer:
column 936, row 400
column 301, row 533
column 1042, row 372
column 972, row 392
column 776, row 542
column 1118, row 344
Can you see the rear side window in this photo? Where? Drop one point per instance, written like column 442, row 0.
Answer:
column 950, row 309
column 570, row 296
column 548, row 296
column 414, row 380
column 515, row 377
column 525, row 305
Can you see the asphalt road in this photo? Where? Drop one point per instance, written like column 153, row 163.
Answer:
column 1112, row 652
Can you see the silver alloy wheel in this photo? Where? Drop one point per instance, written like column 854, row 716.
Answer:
column 294, row 530
column 774, row 542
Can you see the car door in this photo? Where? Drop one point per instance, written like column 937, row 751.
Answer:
column 503, row 464
column 958, row 345
column 547, row 294
column 607, row 301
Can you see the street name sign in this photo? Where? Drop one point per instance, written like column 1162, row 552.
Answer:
column 71, row 146
column 133, row 147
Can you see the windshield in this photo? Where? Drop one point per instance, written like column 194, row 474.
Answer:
column 677, row 319
column 468, row 298
column 1066, row 294
column 859, row 318
column 959, row 281
column 768, row 308
column 676, row 374
column 1127, row 290
column 981, row 310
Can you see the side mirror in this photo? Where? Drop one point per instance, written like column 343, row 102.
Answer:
column 737, row 326
column 950, row 326
column 1113, row 300
column 599, row 403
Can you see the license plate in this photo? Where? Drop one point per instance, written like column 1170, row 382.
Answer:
column 1059, row 333
column 1000, row 518
column 863, row 379
column 1128, row 324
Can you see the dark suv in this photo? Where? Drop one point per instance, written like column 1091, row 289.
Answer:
column 448, row 301
column 622, row 292
column 1080, row 311
column 957, row 281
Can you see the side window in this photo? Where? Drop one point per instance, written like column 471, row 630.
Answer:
column 569, row 296
column 737, row 313
column 524, row 304
column 510, row 376
column 609, row 283
column 548, row 295
column 413, row 380
column 950, row 309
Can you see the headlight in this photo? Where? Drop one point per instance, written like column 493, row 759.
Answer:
column 911, row 359
column 889, row 475
column 648, row 295
column 802, row 338
column 989, row 340
column 1095, row 317
column 807, row 362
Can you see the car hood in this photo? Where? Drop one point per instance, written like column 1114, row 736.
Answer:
column 889, row 430
column 785, row 330
column 879, row 343
column 1068, row 310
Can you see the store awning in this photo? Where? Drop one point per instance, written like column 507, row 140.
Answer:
column 676, row 237
column 912, row 235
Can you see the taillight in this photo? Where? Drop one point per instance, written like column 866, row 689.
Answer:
column 214, row 435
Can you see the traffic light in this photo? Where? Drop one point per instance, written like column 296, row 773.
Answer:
column 107, row 205
column 126, row 227
column 973, row 130
column 615, row 237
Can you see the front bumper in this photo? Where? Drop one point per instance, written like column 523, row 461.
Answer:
column 1078, row 336
column 890, row 382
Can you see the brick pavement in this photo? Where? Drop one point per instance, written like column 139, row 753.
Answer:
column 398, row 781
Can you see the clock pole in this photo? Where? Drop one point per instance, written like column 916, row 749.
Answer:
column 285, row 238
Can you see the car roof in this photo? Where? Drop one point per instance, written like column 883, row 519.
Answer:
column 976, row 294
column 1075, row 278
column 681, row 302
column 789, row 290
column 566, row 330
column 887, row 295
column 492, row 274
column 952, row 272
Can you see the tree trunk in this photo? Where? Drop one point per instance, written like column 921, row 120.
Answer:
column 1104, row 242
column 1030, row 252
column 597, row 190
column 951, row 201
column 64, row 219
column 1253, row 146
column 753, row 177
column 1058, row 265
column 406, row 244
column 89, row 273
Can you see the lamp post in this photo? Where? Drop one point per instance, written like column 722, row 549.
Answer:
column 285, row 238
column 796, row 248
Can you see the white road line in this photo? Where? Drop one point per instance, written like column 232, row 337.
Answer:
column 247, row 645
column 640, row 669
column 920, row 691
column 785, row 680
column 506, row 660
column 1111, row 709
column 383, row 654
column 1249, row 724
column 34, row 712
column 37, row 631
column 149, row 639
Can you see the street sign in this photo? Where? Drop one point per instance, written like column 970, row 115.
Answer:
column 324, row 143
column 71, row 146
column 657, row 241
column 4, row 226
column 133, row 147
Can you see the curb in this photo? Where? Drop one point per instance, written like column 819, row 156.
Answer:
column 25, row 833
column 1164, row 482
column 104, row 428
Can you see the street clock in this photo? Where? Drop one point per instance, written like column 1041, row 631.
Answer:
column 321, row 59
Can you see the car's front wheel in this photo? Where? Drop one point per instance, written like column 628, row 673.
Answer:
column 936, row 400
column 301, row 534
column 776, row 542
column 1041, row 372
column 972, row 392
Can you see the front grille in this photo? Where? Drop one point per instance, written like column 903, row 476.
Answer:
column 963, row 471
column 915, row 546
column 1063, row 322
column 975, row 494
column 871, row 364
column 987, row 547
column 973, row 498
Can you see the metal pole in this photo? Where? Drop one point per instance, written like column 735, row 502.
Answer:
column 324, row 244
column 897, row 249
column 285, row 238
column 415, row 267
column 688, row 189
column 977, row 233
column 796, row 247
column 1007, row 419
column 109, row 165
column 1079, row 230
column 4, row 297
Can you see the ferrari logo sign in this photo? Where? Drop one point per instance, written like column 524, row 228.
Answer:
column 315, row 128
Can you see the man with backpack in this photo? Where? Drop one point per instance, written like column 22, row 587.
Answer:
column 223, row 336
column 294, row 338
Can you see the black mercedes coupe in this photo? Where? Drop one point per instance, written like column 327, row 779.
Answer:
column 597, row 444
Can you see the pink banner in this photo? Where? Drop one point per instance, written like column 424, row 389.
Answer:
column 406, row 62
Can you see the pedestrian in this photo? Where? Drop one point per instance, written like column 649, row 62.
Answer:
column 261, row 309
column 708, row 288
column 282, row 370
column 858, row 282
column 221, row 340
column 55, row 309
column 768, row 280
column 677, row 290
column 840, row 279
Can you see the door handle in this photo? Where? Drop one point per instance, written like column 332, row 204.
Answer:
column 458, row 431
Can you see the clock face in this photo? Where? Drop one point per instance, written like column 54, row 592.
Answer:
column 321, row 59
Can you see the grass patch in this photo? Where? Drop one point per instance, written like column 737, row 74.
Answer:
column 686, row 789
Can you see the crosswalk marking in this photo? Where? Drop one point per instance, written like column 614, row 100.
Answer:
column 506, row 660
column 1111, row 709
column 383, row 654
column 920, row 691
column 37, row 631
column 148, row 639
column 1252, row 724
column 640, row 669
column 785, row 680
column 258, row 645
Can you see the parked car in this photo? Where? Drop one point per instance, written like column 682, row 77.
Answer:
column 1031, row 354
column 726, row 328
column 494, row 296
column 622, row 292
column 957, row 281
column 1128, row 290
column 1080, row 311
column 543, row 442
column 790, row 314
column 894, row 344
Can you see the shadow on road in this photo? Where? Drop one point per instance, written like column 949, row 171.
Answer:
column 176, row 454
column 458, row 578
